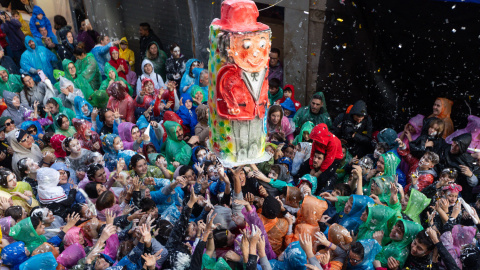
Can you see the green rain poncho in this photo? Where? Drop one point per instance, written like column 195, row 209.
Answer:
column 391, row 162
column 383, row 182
column 97, row 98
column 399, row 250
column 61, row 109
column 277, row 96
column 80, row 82
column 88, row 68
column 416, row 204
column 106, row 82
column 14, row 83
column 24, row 231
column 174, row 149
column 304, row 114
column 210, row 263
column 307, row 126
column 158, row 62
column 380, row 218
column 194, row 90
column 67, row 133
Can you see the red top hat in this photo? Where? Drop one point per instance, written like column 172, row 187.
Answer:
column 240, row 16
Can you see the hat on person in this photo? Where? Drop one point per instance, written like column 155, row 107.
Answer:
column 4, row 119
column 19, row 134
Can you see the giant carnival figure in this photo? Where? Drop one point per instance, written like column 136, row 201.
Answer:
column 238, row 90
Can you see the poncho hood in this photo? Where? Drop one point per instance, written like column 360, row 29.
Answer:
column 24, row 231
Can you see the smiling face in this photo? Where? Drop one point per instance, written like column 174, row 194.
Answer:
column 85, row 109
column 117, row 144
column 250, row 52
column 32, row 165
column 437, row 107
column 135, row 133
column 112, row 75
column 148, row 88
column 141, row 167
column 65, row 123
column 275, row 118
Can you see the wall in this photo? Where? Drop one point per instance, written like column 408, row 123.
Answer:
column 295, row 44
column 106, row 17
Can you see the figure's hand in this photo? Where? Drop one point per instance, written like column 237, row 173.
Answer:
column 233, row 111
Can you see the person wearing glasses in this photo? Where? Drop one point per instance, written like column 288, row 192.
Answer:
column 24, row 147
column 6, row 152
column 7, row 124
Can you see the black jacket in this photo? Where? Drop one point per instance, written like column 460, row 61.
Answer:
column 344, row 127
column 449, row 160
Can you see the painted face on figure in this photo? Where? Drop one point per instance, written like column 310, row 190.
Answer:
column 250, row 52
column 117, row 144
column 176, row 52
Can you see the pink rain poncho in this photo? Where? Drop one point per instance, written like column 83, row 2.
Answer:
column 120, row 100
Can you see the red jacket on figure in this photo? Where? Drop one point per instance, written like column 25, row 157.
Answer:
column 327, row 143
column 233, row 94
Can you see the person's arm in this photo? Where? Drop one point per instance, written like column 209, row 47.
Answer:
column 176, row 236
column 443, row 253
column 196, row 263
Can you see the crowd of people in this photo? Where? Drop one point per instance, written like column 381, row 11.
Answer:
column 105, row 167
